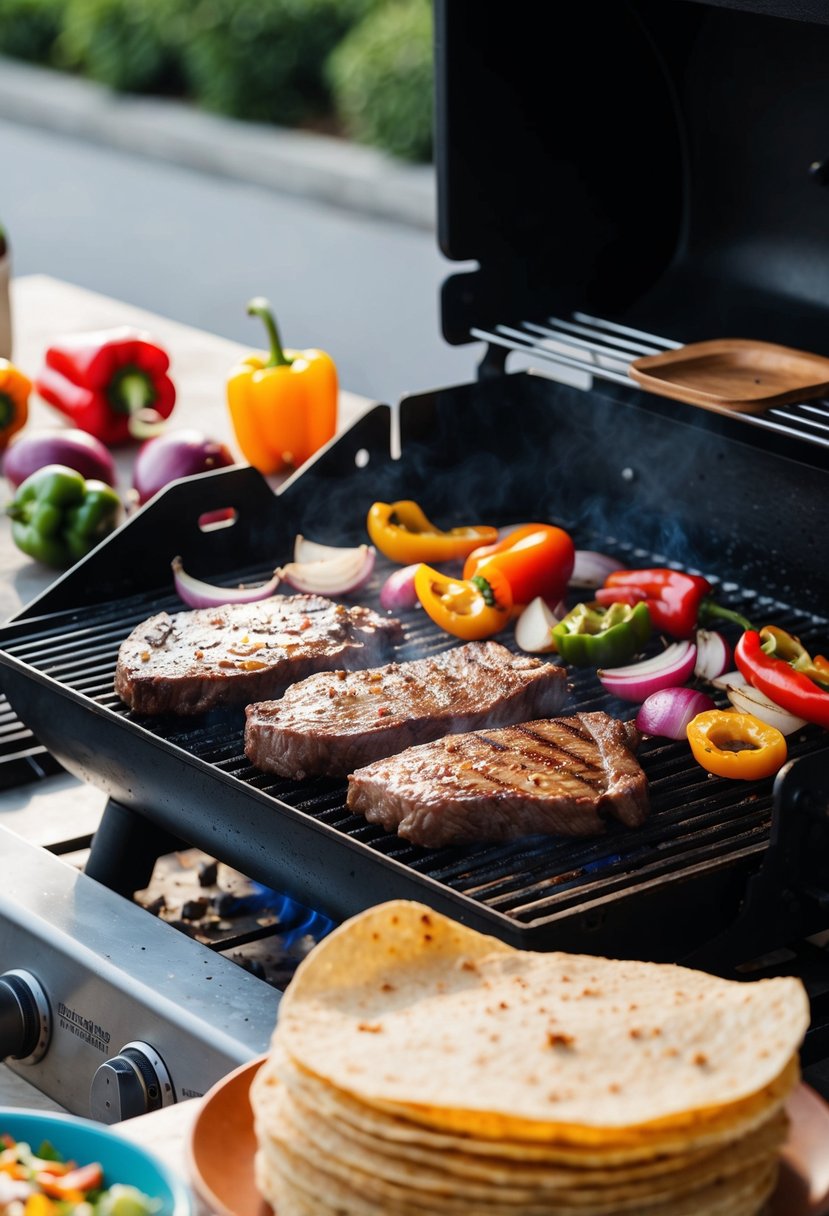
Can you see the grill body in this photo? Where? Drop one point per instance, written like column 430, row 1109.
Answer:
column 654, row 482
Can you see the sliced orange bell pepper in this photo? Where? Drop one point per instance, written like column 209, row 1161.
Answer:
column 736, row 745
column 402, row 532
column 537, row 559
column 283, row 405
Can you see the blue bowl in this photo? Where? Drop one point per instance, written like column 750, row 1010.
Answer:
column 83, row 1141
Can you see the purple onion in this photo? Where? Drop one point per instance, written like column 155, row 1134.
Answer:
column 667, row 712
column 175, row 454
column 75, row 449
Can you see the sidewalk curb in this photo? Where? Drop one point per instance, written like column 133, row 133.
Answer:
column 306, row 165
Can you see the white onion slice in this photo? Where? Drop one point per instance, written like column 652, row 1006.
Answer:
column 197, row 594
column 306, row 550
column 398, row 591
column 729, row 679
column 534, row 627
column 348, row 571
column 591, row 569
column 637, row 681
column 749, row 700
column 713, row 655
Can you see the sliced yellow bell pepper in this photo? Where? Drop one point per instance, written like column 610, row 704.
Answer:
column 283, row 405
column 736, row 745
column 403, row 533
column 471, row 609
column 14, row 400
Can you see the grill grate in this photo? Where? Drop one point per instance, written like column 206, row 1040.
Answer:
column 697, row 821
column 604, row 349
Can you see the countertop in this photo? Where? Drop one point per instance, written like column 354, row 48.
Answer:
column 43, row 308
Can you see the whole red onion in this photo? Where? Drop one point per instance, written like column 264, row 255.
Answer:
column 174, row 454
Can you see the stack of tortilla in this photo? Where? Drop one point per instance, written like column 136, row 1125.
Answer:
column 421, row 1068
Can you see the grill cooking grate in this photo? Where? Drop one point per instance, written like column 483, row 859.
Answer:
column 697, row 821
column 605, row 349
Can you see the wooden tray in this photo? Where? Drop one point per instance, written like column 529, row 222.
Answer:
column 734, row 374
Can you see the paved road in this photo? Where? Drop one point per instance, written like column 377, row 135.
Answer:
column 196, row 247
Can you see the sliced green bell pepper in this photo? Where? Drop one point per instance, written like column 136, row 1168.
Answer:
column 596, row 636
column 58, row 516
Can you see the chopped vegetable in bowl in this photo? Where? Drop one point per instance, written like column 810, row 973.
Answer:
column 59, row 1165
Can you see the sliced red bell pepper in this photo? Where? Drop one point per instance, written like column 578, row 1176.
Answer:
column 678, row 602
column 788, row 688
column 112, row 383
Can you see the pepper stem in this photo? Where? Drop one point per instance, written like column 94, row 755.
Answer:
column 710, row 610
column 260, row 307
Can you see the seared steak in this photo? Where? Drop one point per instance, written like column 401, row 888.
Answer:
column 334, row 722
column 193, row 661
column 563, row 776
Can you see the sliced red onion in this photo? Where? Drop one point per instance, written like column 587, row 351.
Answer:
column 348, row 571
column 197, row 594
column 667, row 713
column 713, row 655
column 398, row 591
column 591, row 569
column 749, row 700
column 637, row 681
column 534, row 627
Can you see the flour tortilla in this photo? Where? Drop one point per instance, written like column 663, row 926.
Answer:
column 414, row 1014
column 371, row 1168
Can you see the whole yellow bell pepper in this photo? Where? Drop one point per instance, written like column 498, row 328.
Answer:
column 14, row 400
column 283, row 405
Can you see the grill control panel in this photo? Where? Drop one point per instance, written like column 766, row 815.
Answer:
column 134, row 1082
column 123, row 1009
column 25, row 1022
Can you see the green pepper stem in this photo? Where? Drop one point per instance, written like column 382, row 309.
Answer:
column 130, row 390
column 262, row 309
column 710, row 610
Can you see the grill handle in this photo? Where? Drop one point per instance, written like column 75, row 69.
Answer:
column 789, row 895
column 136, row 557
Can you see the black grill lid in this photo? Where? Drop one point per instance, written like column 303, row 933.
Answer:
column 659, row 161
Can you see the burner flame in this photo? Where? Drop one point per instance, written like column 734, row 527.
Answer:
column 294, row 920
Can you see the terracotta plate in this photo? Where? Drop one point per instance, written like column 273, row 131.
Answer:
column 222, row 1145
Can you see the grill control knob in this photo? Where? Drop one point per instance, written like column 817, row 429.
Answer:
column 132, row 1083
column 25, row 1023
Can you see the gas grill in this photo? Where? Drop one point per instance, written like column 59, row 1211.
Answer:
column 649, row 209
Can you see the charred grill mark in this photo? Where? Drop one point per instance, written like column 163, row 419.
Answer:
column 554, row 753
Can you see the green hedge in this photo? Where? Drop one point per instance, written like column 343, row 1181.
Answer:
column 131, row 46
column 361, row 66
column 30, row 28
column 382, row 78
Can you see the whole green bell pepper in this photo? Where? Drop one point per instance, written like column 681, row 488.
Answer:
column 596, row 636
column 58, row 516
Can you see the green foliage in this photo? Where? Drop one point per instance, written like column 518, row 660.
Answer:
column 264, row 59
column 29, row 28
column 130, row 45
column 382, row 78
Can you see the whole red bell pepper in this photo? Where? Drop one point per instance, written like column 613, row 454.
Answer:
column 678, row 602
column 787, row 687
column 112, row 383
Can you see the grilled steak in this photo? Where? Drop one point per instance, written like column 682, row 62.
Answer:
column 334, row 722
column 562, row 776
column 194, row 661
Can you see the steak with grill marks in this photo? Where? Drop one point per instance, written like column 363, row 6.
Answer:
column 562, row 776
column 334, row 722
column 229, row 656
